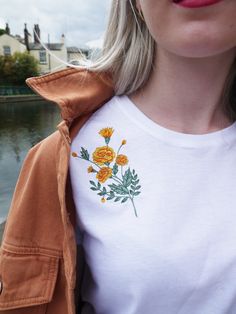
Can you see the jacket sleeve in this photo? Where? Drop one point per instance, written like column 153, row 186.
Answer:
column 36, row 198
column 31, row 251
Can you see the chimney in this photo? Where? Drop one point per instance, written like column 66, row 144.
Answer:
column 37, row 31
column 7, row 29
column 26, row 33
column 63, row 39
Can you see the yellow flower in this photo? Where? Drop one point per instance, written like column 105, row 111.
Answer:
column 74, row 154
column 90, row 169
column 103, row 154
column 106, row 132
column 123, row 142
column 121, row 160
column 103, row 200
column 103, row 174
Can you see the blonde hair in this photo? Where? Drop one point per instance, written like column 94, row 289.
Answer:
column 128, row 53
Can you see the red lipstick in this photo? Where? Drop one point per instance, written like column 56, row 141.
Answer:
column 195, row 3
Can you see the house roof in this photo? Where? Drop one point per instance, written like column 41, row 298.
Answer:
column 16, row 37
column 74, row 49
column 51, row 46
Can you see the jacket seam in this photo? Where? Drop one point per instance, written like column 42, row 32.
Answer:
column 52, row 76
column 28, row 250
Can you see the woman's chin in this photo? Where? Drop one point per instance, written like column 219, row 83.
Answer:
column 199, row 49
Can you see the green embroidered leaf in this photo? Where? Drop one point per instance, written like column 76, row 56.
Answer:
column 94, row 189
column 117, row 198
column 136, row 193
column 104, row 190
column 123, row 190
column 111, row 197
column 84, row 153
column 135, row 182
column 101, row 193
column 124, row 199
column 92, row 182
column 119, row 189
column 133, row 171
column 99, row 185
column 127, row 178
column 135, row 187
column 135, row 177
column 115, row 169
column 107, row 164
column 112, row 186
column 107, row 140
column 112, row 193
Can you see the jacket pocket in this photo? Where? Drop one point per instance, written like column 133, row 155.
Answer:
column 26, row 279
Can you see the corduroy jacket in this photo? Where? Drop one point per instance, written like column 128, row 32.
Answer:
column 41, row 266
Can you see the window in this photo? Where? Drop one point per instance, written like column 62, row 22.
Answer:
column 6, row 50
column 42, row 56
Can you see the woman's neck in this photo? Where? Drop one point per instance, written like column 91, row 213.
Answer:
column 183, row 94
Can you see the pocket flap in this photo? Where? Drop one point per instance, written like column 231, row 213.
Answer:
column 26, row 280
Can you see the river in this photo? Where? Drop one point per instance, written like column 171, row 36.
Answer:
column 22, row 125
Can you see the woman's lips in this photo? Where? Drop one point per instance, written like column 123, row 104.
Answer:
column 195, row 3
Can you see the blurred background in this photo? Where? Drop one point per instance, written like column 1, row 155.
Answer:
column 73, row 31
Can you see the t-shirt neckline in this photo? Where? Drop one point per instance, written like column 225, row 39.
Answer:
column 215, row 138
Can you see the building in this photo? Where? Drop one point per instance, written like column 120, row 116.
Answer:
column 10, row 44
column 77, row 55
column 47, row 62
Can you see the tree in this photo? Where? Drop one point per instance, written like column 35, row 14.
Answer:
column 2, row 31
column 17, row 68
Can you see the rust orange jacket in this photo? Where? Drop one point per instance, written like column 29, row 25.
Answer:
column 41, row 267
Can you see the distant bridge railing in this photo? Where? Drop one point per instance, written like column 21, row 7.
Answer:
column 15, row 90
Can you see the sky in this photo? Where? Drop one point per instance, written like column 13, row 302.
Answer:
column 81, row 21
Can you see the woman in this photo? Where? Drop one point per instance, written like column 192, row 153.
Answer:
column 141, row 169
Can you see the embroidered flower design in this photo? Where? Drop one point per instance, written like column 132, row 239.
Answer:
column 124, row 185
column 103, row 155
column 121, row 160
column 103, row 174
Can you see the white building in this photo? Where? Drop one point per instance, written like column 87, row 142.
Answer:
column 77, row 55
column 10, row 44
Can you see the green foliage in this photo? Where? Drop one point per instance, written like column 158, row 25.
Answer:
column 84, row 153
column 2, row 31
column 127, row 178
column 17, row 68
column 115, row 169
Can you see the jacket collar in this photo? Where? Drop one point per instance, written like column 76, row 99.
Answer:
column 77, row 91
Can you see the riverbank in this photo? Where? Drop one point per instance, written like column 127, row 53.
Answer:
column 2, row 225
column 20, row 98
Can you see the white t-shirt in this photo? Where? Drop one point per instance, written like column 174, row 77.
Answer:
column 161, row 236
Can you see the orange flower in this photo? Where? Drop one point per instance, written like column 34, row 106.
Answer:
column 121, row 160
column 90, row 169
column 103, row 174
column 103, row 154
column 74, row 154
column 106, row 132
column 103, row 200
column 123, row 142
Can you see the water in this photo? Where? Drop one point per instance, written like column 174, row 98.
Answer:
column 22, row 125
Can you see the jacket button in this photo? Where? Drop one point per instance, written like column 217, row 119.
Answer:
column 1, row 286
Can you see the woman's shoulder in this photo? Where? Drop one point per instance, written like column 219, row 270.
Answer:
column 47, row 144
column 44, row 153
